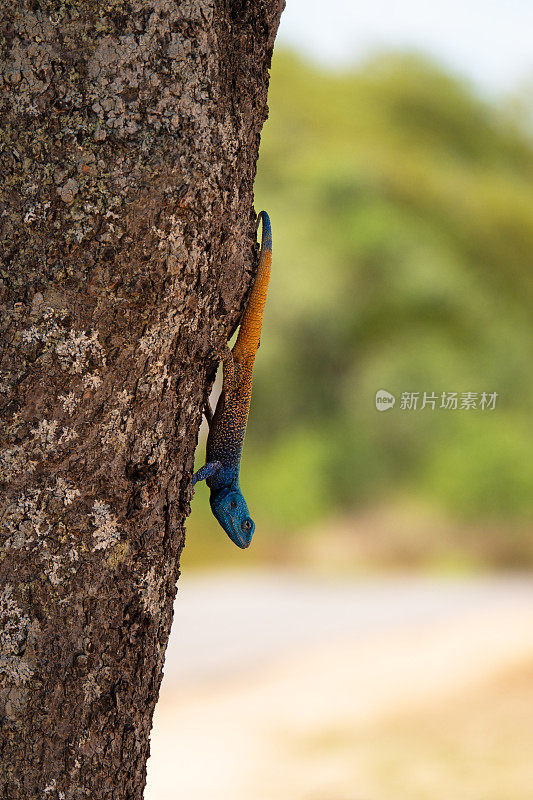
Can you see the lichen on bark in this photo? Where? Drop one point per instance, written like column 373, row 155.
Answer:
column 127, row 151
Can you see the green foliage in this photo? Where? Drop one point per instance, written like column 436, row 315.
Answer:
column 402, row 215
column 402, row 210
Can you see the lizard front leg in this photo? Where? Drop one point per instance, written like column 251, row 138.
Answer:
column 206, row 471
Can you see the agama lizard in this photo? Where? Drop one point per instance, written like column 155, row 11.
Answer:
column 228, row 424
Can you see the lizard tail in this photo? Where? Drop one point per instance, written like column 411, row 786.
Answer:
column 266, row 235
column 250, row 331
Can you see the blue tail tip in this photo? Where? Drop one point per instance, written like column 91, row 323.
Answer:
column 266, row 235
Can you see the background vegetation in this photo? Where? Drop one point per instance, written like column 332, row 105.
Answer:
column 402, row 211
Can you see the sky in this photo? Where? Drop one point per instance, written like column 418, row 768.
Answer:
column 489, row 41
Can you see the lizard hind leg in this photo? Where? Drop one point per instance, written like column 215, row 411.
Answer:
column 225, row 355
column 208, row 413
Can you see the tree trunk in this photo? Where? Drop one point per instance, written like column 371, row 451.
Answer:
column 130, row 132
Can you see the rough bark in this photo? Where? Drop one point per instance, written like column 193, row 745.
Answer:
column 129, row 140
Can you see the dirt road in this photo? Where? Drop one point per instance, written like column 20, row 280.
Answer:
column 267, row 670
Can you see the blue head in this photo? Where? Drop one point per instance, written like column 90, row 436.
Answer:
column 229, row 507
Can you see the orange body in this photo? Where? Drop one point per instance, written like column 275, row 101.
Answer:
column 228, row 427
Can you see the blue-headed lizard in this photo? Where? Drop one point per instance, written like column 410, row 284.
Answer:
column 227, row 425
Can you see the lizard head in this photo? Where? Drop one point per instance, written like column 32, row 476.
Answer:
column 230, row 509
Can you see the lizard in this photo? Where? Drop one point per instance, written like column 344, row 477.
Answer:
column 227, row 425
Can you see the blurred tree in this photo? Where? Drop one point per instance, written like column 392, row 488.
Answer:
column 402, row 207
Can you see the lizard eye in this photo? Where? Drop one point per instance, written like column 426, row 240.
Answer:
column 246, row 525
column 233, row 504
